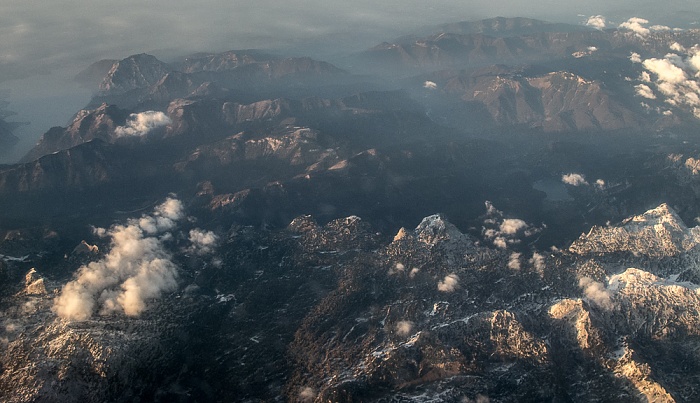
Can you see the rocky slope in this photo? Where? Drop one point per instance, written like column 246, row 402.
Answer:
column 347, row 316
column 555, row 102
column 87, row 125
column 245, row 227
column 142, row 81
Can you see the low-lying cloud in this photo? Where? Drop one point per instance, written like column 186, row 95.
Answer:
column 676, row 77
column 449, row 284
column 203, row 242
column 136, row 269
column 140, row 124
column 505, row 231
column 511, row 226
column 514, row 261
column 596, row 292
column 307, row 394
column 636, row 24
column 574, row 179
column 404, row 327
column 597, row 22
column 538, row 262
column 644, row 91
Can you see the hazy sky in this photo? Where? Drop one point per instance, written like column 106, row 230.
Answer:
column 62, row 37
column 38, row 35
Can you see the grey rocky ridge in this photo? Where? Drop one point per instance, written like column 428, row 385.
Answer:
column 497, row 210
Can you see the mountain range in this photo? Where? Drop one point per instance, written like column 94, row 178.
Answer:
column 495, row 210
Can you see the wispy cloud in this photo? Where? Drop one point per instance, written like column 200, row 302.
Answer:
column 404, row 327
column 596, row 292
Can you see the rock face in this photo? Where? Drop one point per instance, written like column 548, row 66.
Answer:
column 94, row 74
column 555, row 102
column 71, row 362
column 142, row 81
column 656, row 233
column 134, row 72
column 348, row 316
column 86, row 126
column 83, row 166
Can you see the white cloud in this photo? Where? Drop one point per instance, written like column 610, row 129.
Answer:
column 514, row 261
column 600, row 184
column 404, row 327
column 505, row 231
column 574, row 179
column 636, row 24
column 397, row 268
column 511, row 226
column 677, row 47
column 596, row 292
column 635, row 57
column 659, row 28
column 596, row 21
column 644, row 91
column 676, row 77
column 163, row 219
column 137, row 268
column 491, row 210
column 694, row 59
column 307, row 394
column 500, row 242
column 430, row 85
column 666, row 70
column 537, row 261
column 203, row 242
column 449, row 283
column 140, row 124
column 478, row 399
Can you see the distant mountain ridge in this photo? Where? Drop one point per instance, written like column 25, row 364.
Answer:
column 495, row 27
column 556, row 101
column 142, row 79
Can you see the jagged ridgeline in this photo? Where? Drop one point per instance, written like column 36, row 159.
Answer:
column 337, row 312
column 494, row 210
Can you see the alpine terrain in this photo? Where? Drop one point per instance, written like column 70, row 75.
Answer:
column 500, row 210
